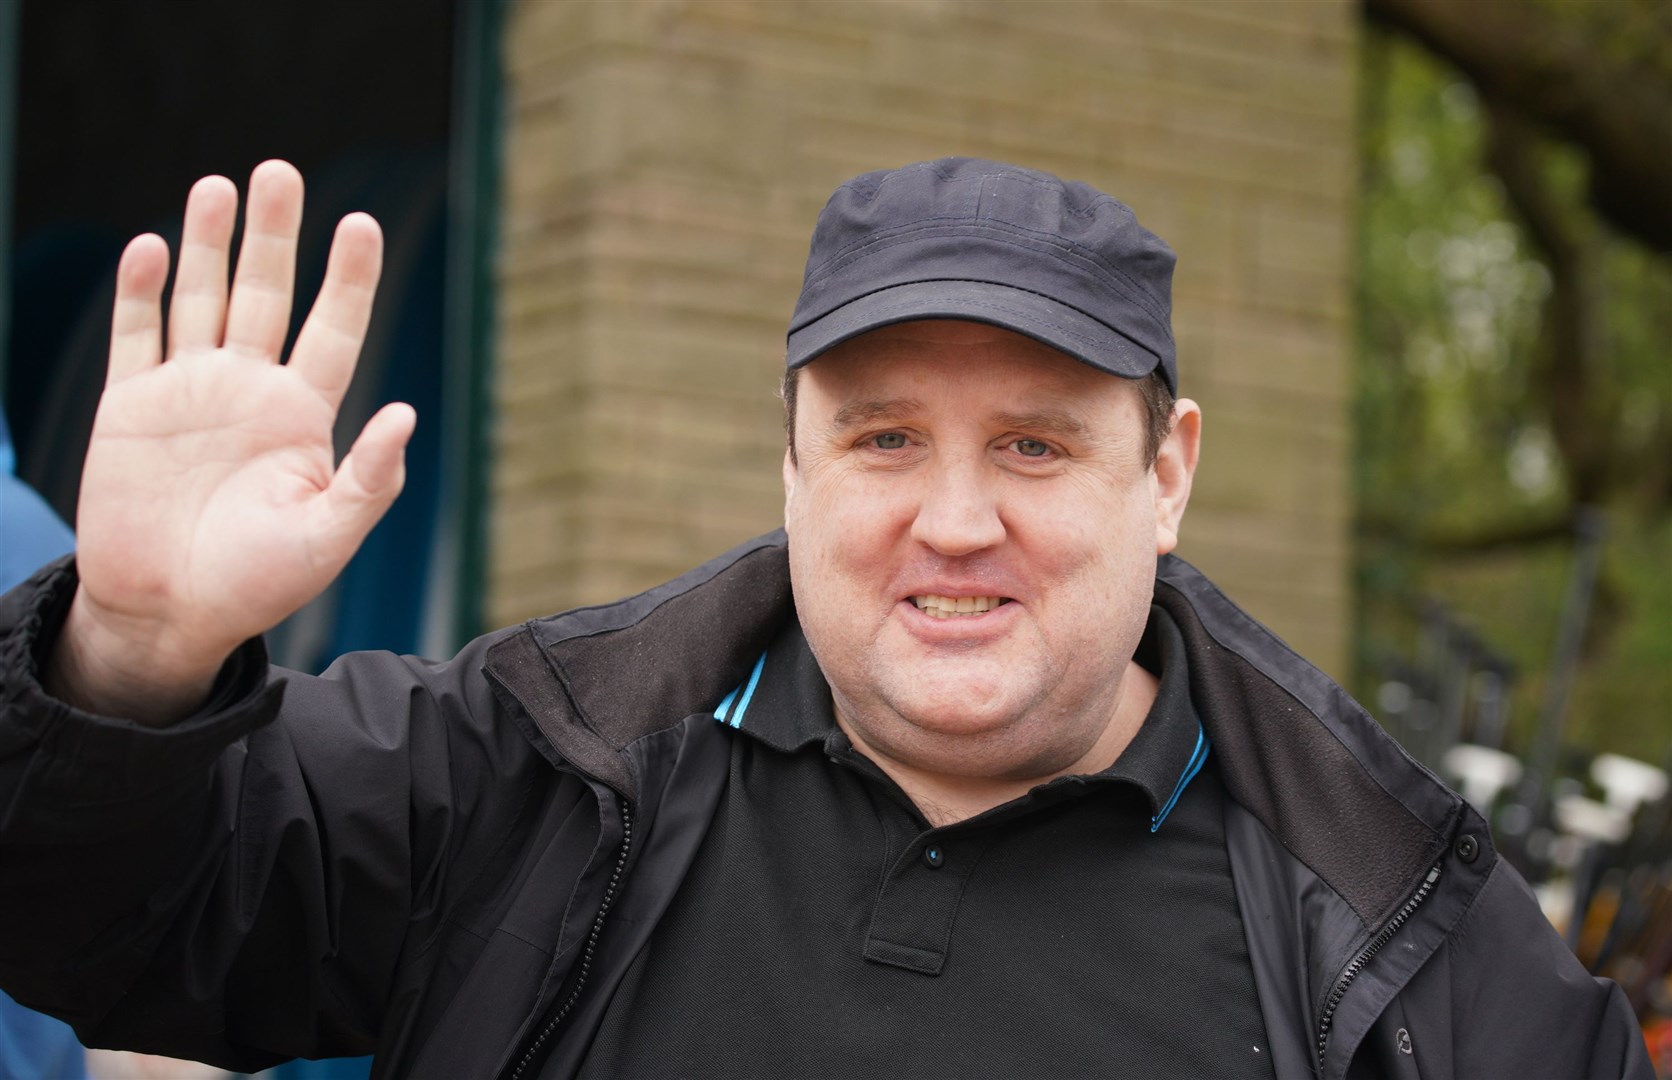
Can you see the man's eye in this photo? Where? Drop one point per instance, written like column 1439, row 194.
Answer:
column 1031, row 448
column 891, row 440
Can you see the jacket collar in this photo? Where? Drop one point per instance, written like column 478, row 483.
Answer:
column 597, row 678
column 1304, row 757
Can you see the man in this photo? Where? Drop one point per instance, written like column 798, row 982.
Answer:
column 944, row 779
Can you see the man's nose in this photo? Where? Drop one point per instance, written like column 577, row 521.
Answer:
column 959, row 513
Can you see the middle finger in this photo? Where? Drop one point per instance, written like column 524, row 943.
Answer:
column 258, row 314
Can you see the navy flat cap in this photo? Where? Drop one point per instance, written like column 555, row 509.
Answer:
column 962, row 238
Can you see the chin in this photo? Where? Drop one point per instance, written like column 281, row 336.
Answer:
column 990, row 747
column 936, row 719
column 957, row 704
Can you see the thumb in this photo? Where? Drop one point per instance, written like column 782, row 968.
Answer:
column 372, row 473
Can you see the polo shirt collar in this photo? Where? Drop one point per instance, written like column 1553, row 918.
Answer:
column 785, row 704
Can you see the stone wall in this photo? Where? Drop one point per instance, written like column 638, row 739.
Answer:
column 666, row 159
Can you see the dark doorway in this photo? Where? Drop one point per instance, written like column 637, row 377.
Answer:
column 119, row 107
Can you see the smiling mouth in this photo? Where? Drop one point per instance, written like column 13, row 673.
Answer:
column 952, row 607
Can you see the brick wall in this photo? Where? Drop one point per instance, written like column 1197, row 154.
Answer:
column 666, row 160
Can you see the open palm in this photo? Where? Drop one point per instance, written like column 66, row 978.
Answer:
column 211, row 506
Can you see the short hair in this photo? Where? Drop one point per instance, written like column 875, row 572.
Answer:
column 1153, row 392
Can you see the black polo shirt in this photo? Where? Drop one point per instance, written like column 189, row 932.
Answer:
column 1087, row 928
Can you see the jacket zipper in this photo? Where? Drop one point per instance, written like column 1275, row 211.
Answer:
column 586, row 954
column 1362, row 960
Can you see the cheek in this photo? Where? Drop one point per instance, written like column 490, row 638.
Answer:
column 828, row 564
column 844, row 519
column 1097, row 549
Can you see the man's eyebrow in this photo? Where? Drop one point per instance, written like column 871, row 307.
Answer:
column 856, row 413
column 1057, row 422
column 1045, row 422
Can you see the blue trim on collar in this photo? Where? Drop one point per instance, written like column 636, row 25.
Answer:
column 724, row 713
column 1198, row 757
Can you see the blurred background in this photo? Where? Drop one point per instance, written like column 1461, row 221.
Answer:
column 1424, row 296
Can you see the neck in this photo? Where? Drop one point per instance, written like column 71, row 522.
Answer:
column 945, row 798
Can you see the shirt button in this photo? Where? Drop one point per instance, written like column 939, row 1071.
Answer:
column 933, row 857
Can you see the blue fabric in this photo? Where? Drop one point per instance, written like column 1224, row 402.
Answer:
column 30, row 533
column 33, row 1045
column 324, row 1069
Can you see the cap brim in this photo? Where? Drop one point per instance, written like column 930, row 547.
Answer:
column 1039, row 317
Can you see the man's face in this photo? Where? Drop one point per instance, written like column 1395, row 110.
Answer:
column 948, row 466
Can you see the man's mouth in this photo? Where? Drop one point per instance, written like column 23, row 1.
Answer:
column 952, row 607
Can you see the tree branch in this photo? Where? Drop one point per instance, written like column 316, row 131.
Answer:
column 1571, row 361
column 1541, row 63
column 1492, row 539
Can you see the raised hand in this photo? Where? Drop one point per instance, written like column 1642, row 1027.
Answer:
column 211, row 506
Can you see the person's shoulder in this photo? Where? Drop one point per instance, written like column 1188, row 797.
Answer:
column 605, row 675
column 750, row 580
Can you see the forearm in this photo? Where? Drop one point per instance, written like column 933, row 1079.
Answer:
column 60, row 760
column 100, row 818
column 140, row 863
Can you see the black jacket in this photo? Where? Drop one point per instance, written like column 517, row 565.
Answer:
column 453, row 864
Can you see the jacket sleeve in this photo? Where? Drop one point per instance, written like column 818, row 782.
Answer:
column 1511, row 1000
column 243, row 886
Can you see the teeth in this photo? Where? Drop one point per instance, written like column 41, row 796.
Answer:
column 946, row 607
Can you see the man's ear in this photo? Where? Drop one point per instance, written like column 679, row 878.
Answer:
column 791, row 473
column 1175, row 467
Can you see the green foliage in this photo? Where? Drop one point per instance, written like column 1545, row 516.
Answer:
column 1455, row 441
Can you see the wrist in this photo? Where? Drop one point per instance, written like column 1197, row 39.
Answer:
column 118, row 666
